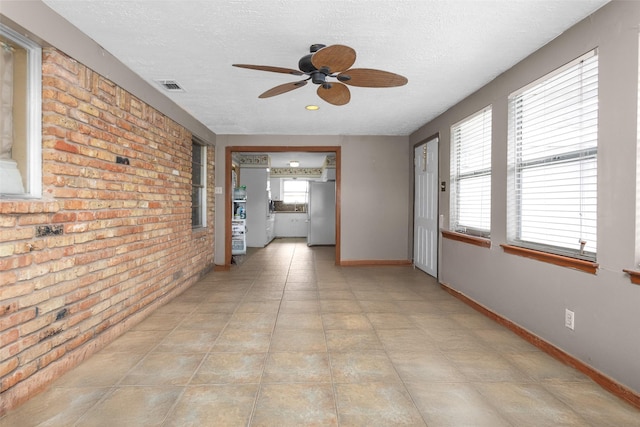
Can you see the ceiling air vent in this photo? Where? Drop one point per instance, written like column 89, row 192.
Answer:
column 170, row 85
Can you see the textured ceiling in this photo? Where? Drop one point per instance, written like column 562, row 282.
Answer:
column 446, row 48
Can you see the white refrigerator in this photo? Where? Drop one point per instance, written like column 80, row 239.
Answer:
column 322, row 213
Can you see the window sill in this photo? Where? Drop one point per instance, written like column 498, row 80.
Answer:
column 199, row 230
column 633, row 275
column 563, row 261
column 465, row 238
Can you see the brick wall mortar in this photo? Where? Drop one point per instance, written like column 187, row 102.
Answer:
column 107, row 243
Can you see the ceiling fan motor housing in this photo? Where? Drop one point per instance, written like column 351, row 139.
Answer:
column 316, row 47
column 305, row 65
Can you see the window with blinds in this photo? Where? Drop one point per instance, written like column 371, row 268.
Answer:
column 471, row 174
column 553, row 149
column 295, row 191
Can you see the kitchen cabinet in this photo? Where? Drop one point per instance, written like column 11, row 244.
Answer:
column 276, row 189
column 271, row 228
column 256, row 180
column 291, row 224
column 328, row 174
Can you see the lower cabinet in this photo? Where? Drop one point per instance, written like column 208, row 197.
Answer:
column 290, row 224
column 271, row 228
column 260, row 233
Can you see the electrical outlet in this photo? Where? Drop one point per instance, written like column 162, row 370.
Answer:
column 569, row 319
column 218, row 190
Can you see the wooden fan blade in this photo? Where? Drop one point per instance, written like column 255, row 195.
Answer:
column 270, row 68
column 278, row 90
column 337, row 94
column 367, row 77
column 336, row 58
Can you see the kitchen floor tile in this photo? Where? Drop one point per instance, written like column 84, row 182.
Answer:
column 293, row 404
column 299, row 321
column 214, row 405
column 163, row 369
column 129, row 406
column 311, row 340
column 297, row 367
column 527, row 404
column 346, row 321
column 454, row 404
column 360, row 367
column 230, row 368
column 242, row 340
column 371, row 404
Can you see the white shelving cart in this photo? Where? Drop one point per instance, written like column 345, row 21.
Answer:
column 239, row 227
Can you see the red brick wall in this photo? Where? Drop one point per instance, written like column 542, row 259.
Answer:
column 108, row 242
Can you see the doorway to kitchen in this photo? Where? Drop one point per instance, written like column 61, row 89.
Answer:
column 425, row 217
column 229, row 153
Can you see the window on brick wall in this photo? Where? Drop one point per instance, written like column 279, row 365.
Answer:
column 21, row 123
column 198, row 184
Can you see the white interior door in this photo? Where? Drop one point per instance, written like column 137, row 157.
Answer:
column 425, row 218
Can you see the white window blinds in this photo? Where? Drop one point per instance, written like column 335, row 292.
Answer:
column 295, row 191
column 553, row 167
column 471, row 174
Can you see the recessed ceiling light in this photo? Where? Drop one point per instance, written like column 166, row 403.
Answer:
column 294, row 163
column 312, row 107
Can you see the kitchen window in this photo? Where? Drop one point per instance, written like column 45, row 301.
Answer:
column 198, row 184
column 552, row 169
column 21, row 124
column 471, row 174
column 295, row 191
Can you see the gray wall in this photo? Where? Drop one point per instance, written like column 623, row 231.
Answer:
column 375, row 191
column 534, row 294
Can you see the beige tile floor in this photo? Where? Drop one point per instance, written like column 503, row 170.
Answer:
column 288, row 339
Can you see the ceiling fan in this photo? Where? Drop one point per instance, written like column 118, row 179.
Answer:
column 330, row 62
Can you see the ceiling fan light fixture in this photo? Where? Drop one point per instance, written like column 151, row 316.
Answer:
column 312, row 107
column 318, row 77
column 294, row 163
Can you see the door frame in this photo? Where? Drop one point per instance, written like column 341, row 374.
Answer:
column 277, row 149
column 435, row 136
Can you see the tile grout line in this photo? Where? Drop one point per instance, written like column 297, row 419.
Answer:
column 268, row 352
column 326, row 343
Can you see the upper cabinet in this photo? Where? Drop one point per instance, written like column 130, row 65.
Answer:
column 276, row 189
column 329, row 174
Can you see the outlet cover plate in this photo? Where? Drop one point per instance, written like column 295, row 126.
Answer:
column 569, row 319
